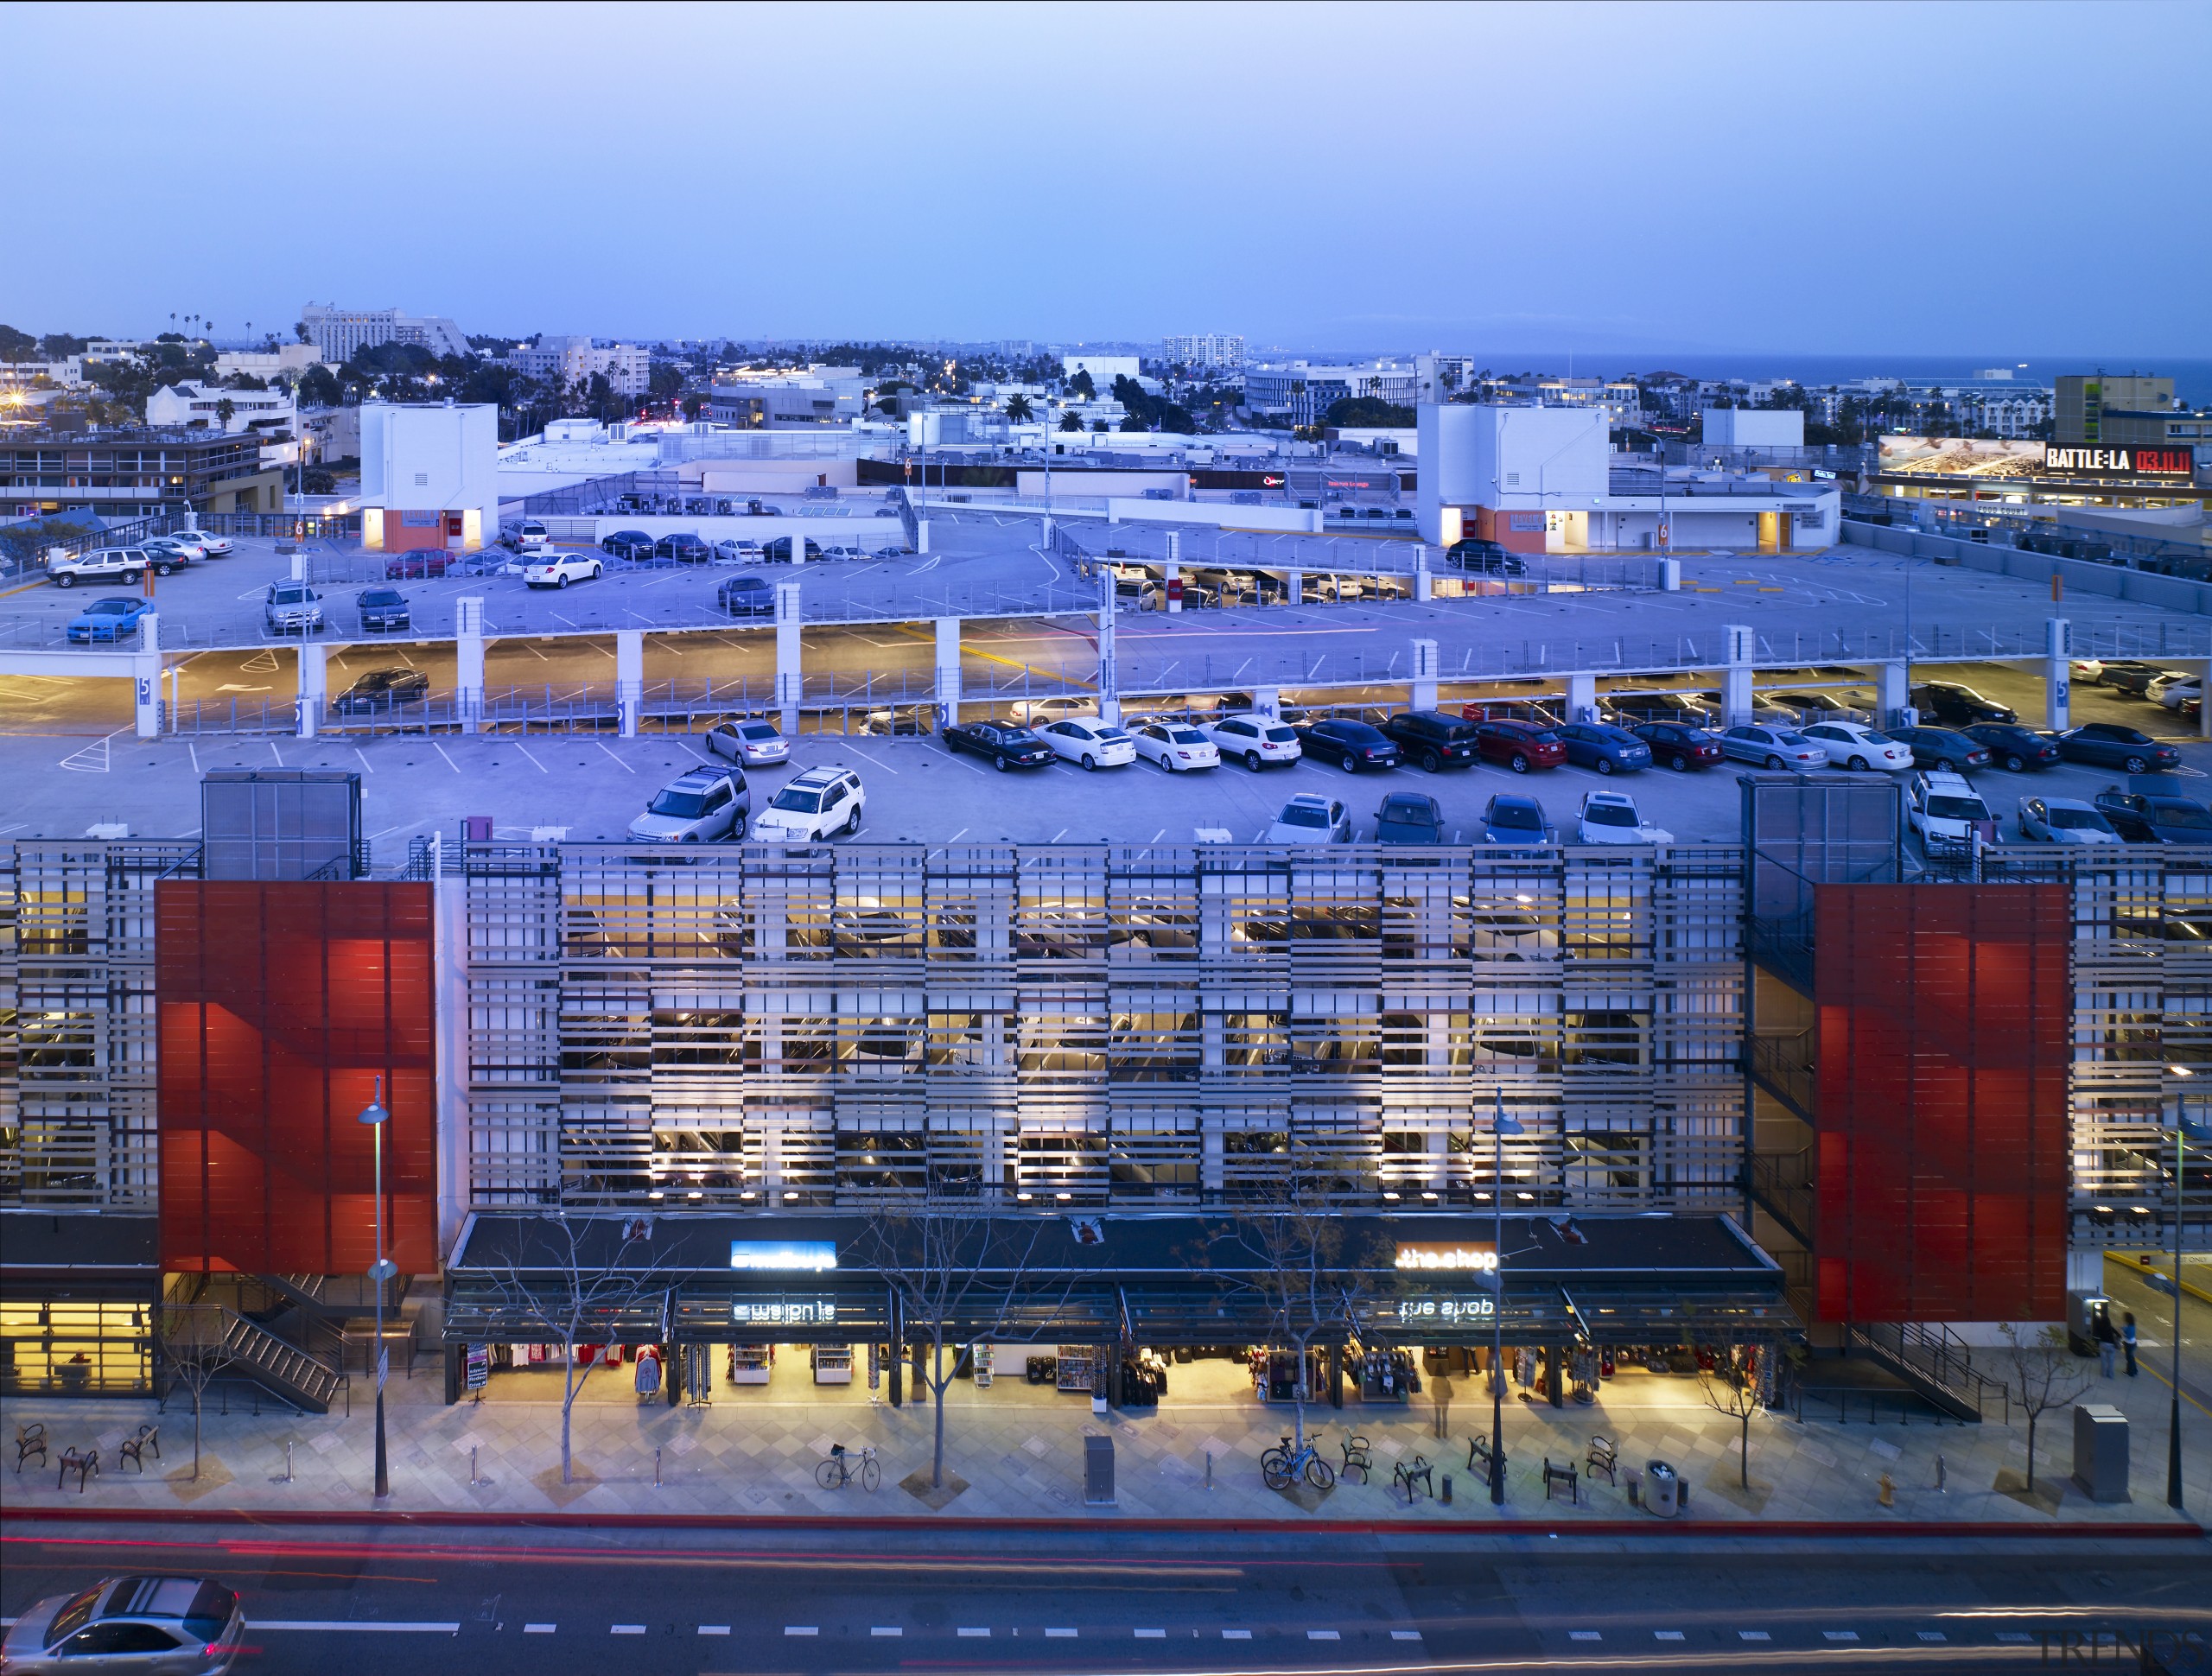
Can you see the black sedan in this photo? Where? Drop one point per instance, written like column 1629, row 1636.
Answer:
column 2141, row 819
column 628, row 544
column 682, row 547
column 1003, row 746
column 2014, row 747
column 381, row 691
column 1409, row 817
column 2109, row 745
column 1487, row 558
column 1951, row 701
column 1680, row 745
column 1351, row 745
column 382, row 608
column 1940, row 747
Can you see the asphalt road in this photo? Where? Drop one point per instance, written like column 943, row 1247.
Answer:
column 336, row 1602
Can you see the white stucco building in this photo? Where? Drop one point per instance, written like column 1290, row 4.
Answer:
column 430, row 475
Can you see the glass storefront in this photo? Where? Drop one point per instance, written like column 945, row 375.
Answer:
column 61, row 1348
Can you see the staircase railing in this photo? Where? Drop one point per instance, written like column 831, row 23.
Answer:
column 1933, row 1356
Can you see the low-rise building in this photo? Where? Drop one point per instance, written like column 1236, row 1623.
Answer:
column 135, row 473
column 430, row 475
column 627, row 367
column 1103, row 369
column 770, row 400
column 1304, row 391
column 266, row 412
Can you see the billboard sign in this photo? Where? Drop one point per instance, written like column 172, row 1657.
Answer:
column 2123, row 459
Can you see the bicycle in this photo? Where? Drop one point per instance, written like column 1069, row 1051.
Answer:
column 1279, row 1467
column 839, row 1470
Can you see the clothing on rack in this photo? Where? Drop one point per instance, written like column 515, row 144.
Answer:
column 648, row 1375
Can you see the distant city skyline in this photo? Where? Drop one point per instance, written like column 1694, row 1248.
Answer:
column 1706, row 180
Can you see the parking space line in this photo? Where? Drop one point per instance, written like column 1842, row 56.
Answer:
column 532, row 760
column 878, row 761
column 602, row 745
column 450, row 762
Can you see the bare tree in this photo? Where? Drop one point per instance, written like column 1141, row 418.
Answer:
column 1291, row 1253
column 958, row 1271
column 562, row 1292
column 2046, row 1374
column 1730, row 1385
column 192, row 1352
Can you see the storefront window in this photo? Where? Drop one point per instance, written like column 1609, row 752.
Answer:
column 74, row 1350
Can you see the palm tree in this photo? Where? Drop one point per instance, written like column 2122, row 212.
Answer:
column 1018, row 410
column 1070, row 421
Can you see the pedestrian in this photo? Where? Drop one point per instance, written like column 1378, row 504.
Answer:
column 2108, row 1340
column 2127, row 1340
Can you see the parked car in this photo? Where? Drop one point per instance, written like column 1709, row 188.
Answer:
column 175, row 1626
column 1352, row 745
column 1942, row 747
column 109, row 620
column 1773, row 748
column 813, row 805
column 1686, row 709
column 1601, row 745
column 1310, row 818
column 291, row 608
column 1409, row 817
column 1433, row 739
column 1855, row 745
column 778, row 551
column 2064, row 821
column 1812, row 705
column 1003, row 746
column 1947, row 814
column 559, row 569
column 1680, row 745
column 1177, row 746
column 698, row 806
column 1509, row 819
column 382, row 608
column 525, row 538
column 107, row 564
column 633, row 544
column 1088, row 741
column 2134, row 680
column 2113, row 671
column 730, row 550
column 754, row 743
column 1035, row 712
column 2012, row 746
column 1521, row 745
column 746, row 596
column 1487, row 558
column 1255, row 740
column 180, row 550
column 1611, row 817
column 2155, row 817
column 381, row 691
column 2110, row 745
column 213, row 546
column 2171, row 690
column 1950, row 702
column 417, row 566
column 682, row 547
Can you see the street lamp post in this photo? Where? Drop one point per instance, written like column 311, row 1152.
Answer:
column 1500, row 1127
column 380, row 1271
column 2173, row 1426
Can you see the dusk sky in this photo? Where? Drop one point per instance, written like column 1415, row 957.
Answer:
column 2012, row 180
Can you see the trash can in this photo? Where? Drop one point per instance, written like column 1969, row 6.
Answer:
column 1098, row 1472
column 1661, row 1488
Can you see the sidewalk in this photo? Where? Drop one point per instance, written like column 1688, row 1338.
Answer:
column 1019, row 1453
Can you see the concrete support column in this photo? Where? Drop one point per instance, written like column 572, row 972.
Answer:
column 1294, row 588
column 1736, row 692
column 790, row 682
column 1109, row 680
column 1268, row 700
column 1172, row 571
column 468, row 663
column 1423, row 692
column 948, row 671
column 629, row 679
column 1582, row 698
column 2057, row 674
column 921, row 534
column 1424, row 583
column 315, row 686
column 1896, row 693
column 146, row 676
column 1113, row 511
column 1046, row 540
column 2203, row 709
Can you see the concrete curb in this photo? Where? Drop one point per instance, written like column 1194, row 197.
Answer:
column 390, row 1519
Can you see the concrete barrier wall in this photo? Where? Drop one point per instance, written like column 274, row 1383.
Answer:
column 2077, row 575
column 823, row 531
column 1271, row 520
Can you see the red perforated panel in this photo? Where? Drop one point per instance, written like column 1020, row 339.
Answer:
column 1946, row 1027
column 280, row 1005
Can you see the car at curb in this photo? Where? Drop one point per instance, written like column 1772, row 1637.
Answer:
column 159, row 1626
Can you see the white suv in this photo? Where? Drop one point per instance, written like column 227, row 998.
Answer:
column 108, row 564
column 1946, row 812
column 812, row 806
column 1254, row 740
column 559, row 569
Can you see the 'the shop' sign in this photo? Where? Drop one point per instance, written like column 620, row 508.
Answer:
column 1455, row 1259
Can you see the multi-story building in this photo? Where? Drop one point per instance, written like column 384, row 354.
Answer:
column 190, row 403
column 339, row 331
column 771, row 400
column 627, row 367
column 430, row 475
column 286, row 362
column 1303, row 392
column 135, row 473
column 1206, row 350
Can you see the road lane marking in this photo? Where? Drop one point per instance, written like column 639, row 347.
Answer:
column 627, row 1629
column 1840, row 1634
column 801, row 1629
column 313, row 1625
column 1236, row 1635
column 1323, row 1635
column 983, row 1634
column 1152, row 1634
column 714, row 1629
column 887, row 1630
column 1059, row 1635
column 1933, row 1635
column 1584, row 1635
column 1753, row 1635
column 538, row 1628
column 1405, row 1634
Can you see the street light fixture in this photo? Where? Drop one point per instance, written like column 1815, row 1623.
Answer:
column 380, row 1272
column 1500, row 1127
column 2173, row 1425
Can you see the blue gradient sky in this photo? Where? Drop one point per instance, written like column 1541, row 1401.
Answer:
column 2009, row 182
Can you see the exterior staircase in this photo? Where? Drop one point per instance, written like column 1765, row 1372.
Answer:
column 1936, row 1362
column 280, row 1367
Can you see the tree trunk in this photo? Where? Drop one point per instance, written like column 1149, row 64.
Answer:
column 196, row 1435
column 2032, row 1452
column 936, row 1392
column 1298, row 1401
column 1746, row 1473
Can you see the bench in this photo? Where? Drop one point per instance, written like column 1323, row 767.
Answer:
column 133, row 1450
column 1356, row 1459
column 1408, row 1474
column 31, row 1440
column 1562, row 1473
column 1603, row 1457
column 84, row 1463
column 1479, row 1456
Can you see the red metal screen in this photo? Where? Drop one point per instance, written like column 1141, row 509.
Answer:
column 280, row 1005
column 1946, row 1029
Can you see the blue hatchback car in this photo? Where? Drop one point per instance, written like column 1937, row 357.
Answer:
column 109, row 620
column 1609, row 750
